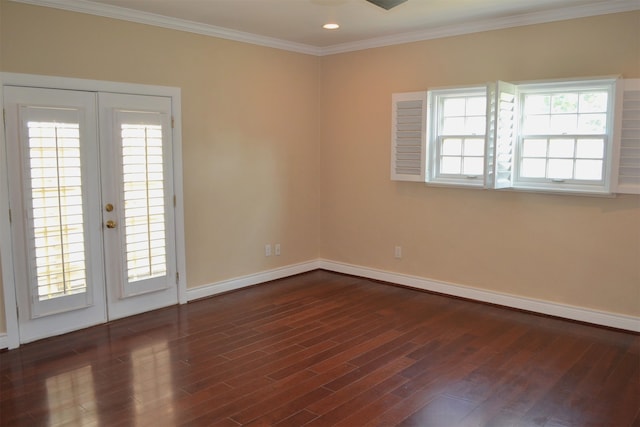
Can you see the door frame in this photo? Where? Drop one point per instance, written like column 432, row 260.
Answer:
column 12, row 339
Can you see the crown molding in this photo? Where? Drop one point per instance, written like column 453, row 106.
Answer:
column 125, row 14
column 115, row 12
column 478, row 26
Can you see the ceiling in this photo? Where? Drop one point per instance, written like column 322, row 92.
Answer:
column 297, row 24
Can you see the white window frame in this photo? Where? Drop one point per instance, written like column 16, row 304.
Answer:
column 569, row 185
column 436, row 98
column 621, row 167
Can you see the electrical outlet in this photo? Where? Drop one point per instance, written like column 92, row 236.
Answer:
column 398, row 252
column 267, row 250
column 276, row 249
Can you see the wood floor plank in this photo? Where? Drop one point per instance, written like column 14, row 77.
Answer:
column 325, row 349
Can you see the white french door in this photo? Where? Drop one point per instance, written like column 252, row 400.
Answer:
column 90, row 183
column 137, row 194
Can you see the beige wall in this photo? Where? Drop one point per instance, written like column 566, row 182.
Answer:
column 582, row 251
column 3, row 323
column 250, row 138
column 3, row 320
column 280, row 147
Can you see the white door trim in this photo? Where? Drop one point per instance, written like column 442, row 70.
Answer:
column 6, row 254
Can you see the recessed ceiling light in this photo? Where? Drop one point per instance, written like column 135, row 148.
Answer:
column 331, row 26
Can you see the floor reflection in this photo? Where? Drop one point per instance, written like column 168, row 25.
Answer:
column 66, row 395
column 153, row 390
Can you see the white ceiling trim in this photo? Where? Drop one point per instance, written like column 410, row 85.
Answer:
column 108, row 11
column 140, row 17
column 478, row 26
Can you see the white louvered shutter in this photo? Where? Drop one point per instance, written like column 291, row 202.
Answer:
column 501, row 135
column 490, row 140
column 628, row 136
column 408, row 136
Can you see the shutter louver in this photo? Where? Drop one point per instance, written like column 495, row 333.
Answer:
column 501, row 127
column 408, row 136
column 490, row 140
column 57, row 213
column 628, row 179
column 144, row 205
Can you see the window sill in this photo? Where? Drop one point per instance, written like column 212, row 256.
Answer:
column 574, row 191
column 476, row 183
column 566, row 191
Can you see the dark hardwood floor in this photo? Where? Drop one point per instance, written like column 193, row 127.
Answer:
column 323, row 349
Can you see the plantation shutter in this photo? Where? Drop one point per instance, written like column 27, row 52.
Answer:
column 408, row 136
column 501, row 135
column 628, row 136
column 490, row 140
column 55, row 207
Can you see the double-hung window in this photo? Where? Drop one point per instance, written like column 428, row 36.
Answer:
column 580, row 136
column 458, row 133
column 566, row 135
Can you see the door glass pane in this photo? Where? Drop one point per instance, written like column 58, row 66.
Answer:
column 56, row 200
column 144, row 203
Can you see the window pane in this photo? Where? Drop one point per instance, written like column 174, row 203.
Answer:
column 534, row 148
column 561, row 148
column 589, row 169
column 473, row 165
column 474, row 147
column 590, row 148
column 537, row 104
column 560, row 169
column 536, row 125
column 453, row 107
column 451, row 147
column 564, row 123
column 475, row 125
column 477, row 106
column 453, row 126
column 564, row 103
column 593, row 102
column 451, row 165
column 533, row 168
column 592, row 123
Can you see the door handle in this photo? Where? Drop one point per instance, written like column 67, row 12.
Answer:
column 110, row 224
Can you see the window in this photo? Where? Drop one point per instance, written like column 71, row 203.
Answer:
column 459, row 135
column 565, row 136
column 578, row 136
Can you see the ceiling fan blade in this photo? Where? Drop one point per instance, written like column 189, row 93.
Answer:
column 386, row 4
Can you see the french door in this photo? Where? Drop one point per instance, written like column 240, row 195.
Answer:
column 91, row 194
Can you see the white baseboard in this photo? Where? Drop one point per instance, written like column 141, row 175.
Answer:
column 4, row 341
column 602, row 318
column 251, row 279
column 539, row 306
column 581, row 314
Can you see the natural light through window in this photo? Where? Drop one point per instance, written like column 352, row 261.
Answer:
column 56, row 198
column 144, row 201
column 461, row 135
column 571, row 136
column 72, row 392
column 153, row 387
column 563, row 136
